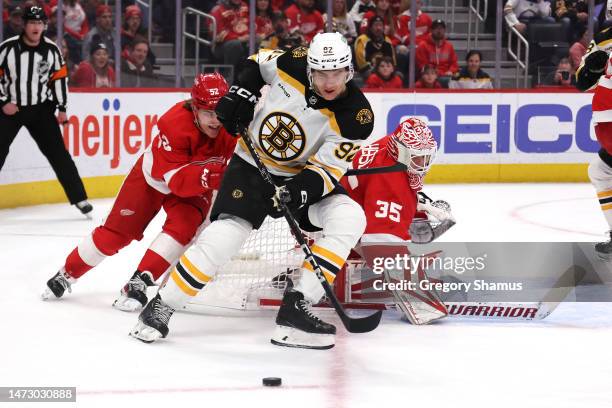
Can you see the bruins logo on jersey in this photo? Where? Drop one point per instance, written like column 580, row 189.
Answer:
column 299, row 52
column 282, row 137
column 364, row 116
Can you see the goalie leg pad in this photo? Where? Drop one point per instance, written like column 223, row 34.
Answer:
column 292, row 337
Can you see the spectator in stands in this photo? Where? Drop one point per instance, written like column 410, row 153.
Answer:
column 562, row 76
column 65, row 53
column 342, row 21
column 519, row 13
column 436, row 50
column 51, row 30
column 360, row 7
column 263, row 19
column 136, row 71
column 383, row 10
column 573, row 14
column 95, row 72
column 372, row 45
column 132, row 25
column 102, row 33
column 232, row 32
column 133, row 28
column 76, row 28
column 90, row 7
column 579, row 48
column 429, row 78
column 423, row 24
column 471, row 76
column 281, row 38
column 14, row 24
column 303, row 17
column 384, row 75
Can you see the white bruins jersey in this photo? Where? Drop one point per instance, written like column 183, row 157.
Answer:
column 297, row 129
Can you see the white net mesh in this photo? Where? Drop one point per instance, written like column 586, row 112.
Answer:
column 258, row 271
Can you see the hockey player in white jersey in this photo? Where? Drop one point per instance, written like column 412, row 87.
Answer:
column 308, row 130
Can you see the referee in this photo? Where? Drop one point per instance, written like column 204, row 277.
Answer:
column 33, row 79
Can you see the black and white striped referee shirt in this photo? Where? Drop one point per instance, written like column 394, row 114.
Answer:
column 32, row 75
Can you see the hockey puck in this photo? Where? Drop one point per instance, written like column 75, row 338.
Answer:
column 272, row 381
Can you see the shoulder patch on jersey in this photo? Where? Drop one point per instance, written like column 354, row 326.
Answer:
column 354, row 114
column 365, row 116
column 294, row 66
column 299, row 52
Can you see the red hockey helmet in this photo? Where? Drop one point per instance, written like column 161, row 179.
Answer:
column 414, row 145
column 207, row 89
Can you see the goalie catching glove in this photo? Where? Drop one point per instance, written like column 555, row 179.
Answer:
column 439, row 209
column 303, row 189
column 441, row 220
column 235, row 110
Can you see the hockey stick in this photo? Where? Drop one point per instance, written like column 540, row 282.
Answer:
column 352, row 324
column 376, row 170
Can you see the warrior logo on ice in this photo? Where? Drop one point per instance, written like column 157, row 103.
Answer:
column 282, row 137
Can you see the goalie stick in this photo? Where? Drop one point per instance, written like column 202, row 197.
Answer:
column 494, row 310
column 377, row 170
column 352, row 324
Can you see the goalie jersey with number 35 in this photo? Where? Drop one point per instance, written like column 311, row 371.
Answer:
column 388, row 200
column 295, row 128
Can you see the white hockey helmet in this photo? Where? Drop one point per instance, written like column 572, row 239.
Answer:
column 414, row 145
column 328, row 51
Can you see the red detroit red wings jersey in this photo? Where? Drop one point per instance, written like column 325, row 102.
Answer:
column 387, row 199
column 174, row 160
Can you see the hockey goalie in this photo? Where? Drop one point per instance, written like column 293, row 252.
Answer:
column 396, row 209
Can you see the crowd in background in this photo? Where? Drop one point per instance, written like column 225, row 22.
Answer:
column 378, row 30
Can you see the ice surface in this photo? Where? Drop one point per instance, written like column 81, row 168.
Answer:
column 563, row 361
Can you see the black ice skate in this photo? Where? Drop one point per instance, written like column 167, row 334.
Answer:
column 85, row 208
column 153, row 321
column 297, row 326
column 133, row 295
column 58, row 285
column 604, row 249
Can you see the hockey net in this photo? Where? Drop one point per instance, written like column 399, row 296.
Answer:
column 257, row 276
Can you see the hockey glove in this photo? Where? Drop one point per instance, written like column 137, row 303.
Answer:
column 211, row 176
column 596, row 61
column 439, row 209
column 235, row 110
column 303, row 189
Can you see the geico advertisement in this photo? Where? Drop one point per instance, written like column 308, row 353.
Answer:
column 105, row 135
column 107, row 131
column 496, row 127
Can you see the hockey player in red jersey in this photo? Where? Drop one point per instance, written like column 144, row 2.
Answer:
column 178, row 172
column 595, row 71
column 392, row 200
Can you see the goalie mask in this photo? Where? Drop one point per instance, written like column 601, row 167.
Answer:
column 329, row 51
column 414, row 146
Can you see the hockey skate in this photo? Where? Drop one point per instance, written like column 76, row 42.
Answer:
column 57, row 285
column 604, row 249
column 133, row 294
column 297, row 326
column 153, row 321
column 85, row 208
